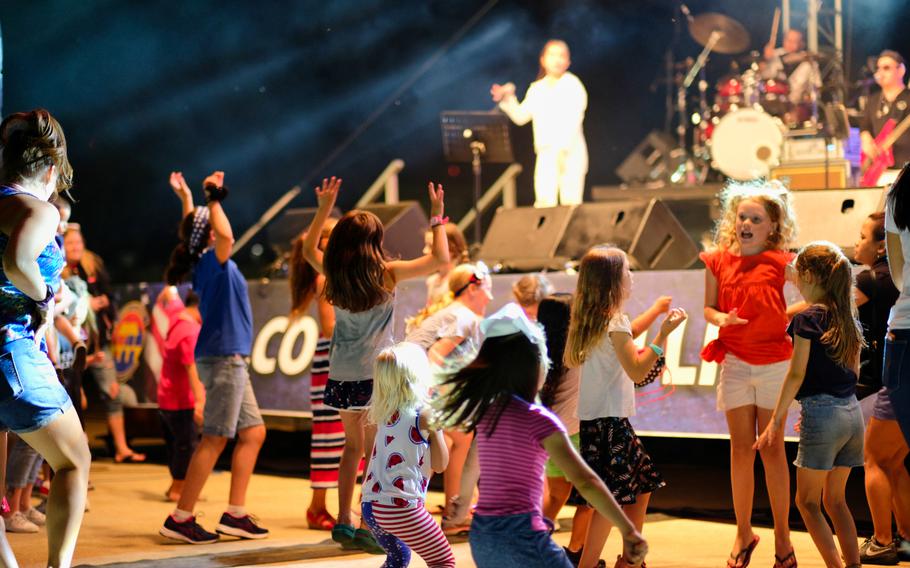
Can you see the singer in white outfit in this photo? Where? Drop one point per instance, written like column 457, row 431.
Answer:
column 556, row 102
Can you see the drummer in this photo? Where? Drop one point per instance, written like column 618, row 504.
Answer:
column 791, row 61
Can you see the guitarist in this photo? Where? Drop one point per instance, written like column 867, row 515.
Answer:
column 891, row 103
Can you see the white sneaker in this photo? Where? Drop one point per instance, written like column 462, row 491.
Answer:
column 36, row 516
column 18, row 523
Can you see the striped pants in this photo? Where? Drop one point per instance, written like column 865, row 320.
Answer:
column 328, row 432
column 400, row 529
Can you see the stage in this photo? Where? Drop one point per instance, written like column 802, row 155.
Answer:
column 107, row 539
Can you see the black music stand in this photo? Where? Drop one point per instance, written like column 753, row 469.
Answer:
column 476, row 136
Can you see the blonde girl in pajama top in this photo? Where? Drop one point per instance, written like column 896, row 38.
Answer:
column 556, row 102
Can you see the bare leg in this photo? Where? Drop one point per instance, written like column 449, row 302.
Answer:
column 889, row 452
column 600, row 528
column 878, row 449
column 7, row 558
column 460, row 443
column 249, row 442
column 809, row 486
column 580, row 523
column 317, row 501
column 201, row 465
column 741, row 423
column 777, row 479
column 118, row 434
column 839, row 513
column 63, row 445
column 353, row 422
column 560, row 489
column 175, row 490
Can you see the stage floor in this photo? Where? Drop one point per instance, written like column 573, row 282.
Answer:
column 127, row 508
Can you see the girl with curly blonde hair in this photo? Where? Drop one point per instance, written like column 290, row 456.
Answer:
column 744, row 296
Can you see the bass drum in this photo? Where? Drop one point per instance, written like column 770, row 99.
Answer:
column 746, row 144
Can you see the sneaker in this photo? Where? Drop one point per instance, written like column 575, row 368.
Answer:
column 902, row 546
column 187, row 531
column 871, row 552
column 244, row 527
column 18, row 523
column 36, row 516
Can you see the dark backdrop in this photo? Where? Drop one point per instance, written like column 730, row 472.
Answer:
column 266, row 90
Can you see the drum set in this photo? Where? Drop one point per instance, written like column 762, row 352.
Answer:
column 741, row 133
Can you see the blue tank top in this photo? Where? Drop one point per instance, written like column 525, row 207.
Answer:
column 358, row 339
column 16, row 309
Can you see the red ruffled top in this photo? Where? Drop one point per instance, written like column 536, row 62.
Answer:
column 754, row 285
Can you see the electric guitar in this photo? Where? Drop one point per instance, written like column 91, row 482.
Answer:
column 874, row 167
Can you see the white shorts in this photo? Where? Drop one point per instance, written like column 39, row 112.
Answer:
column 744, row 384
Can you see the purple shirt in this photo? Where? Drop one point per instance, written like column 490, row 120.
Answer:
column 512, row 460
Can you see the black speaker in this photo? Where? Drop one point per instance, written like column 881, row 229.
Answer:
column 651, row 160
column 285, row 229
column 405, row 225
column 528, row 238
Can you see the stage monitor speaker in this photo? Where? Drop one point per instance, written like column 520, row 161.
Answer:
column 525, row 238
column 528, row 238
column 405, row 225
column 292, row 222
column 650, row 161
column 834, row 215
column 647, row 230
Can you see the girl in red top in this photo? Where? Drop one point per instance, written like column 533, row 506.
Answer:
column 744, row 297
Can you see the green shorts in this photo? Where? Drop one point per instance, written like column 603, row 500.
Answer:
column 551, row 468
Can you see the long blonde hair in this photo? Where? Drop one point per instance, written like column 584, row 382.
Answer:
column 598, row 297
column 830, row 270
column 401, row 379
column 773, row 196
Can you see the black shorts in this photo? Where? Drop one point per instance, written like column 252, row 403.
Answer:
column 348, row 395
column 611, row 448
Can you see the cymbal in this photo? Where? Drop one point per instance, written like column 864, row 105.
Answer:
column 733, row 36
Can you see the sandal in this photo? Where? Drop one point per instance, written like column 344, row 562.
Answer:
column 788, row 561
column 451, row 529
column 130, row 458
column 365, row 541
column 742, row 558
column 321, row 521
column 344, row 535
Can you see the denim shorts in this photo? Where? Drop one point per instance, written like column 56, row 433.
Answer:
column 31, row 396
column 230, row 404
column 510, row 542
column 896, row 376
column 831, row 433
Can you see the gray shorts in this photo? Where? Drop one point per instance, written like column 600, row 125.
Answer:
column 831, row 433
column 105, row 375
column 230, row 404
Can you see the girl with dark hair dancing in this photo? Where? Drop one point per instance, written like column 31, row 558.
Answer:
column 34, row 403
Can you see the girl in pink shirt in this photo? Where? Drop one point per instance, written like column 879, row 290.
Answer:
column 493, row 396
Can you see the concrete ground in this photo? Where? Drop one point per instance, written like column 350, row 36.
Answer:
column 128, row 507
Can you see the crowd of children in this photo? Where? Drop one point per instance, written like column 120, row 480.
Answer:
column 516, row 409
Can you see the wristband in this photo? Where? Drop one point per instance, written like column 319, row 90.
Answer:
column 656, row 349
column 437, row 220
column 214, row 192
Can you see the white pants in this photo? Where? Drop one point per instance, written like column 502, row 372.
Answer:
column 559, row 176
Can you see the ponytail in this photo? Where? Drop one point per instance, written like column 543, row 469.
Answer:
column 193, row 233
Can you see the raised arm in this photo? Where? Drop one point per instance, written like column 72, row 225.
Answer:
column 439, row 253
column 794, row 379
column 215, row 193
column 660, row 306
column 182, row 190
column 635, row 364
column 325, row 197
column 520, row 113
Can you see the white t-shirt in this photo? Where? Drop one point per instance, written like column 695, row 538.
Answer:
column 454, row 320
column 558, row 111
column 606, row 390
column 900, row 312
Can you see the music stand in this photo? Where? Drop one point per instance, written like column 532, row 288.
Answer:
column 475, row 137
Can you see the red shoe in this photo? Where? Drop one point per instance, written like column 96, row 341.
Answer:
column 321, row 521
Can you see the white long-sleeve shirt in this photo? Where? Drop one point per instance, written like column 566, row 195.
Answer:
column 801, row 78
column 557, row 109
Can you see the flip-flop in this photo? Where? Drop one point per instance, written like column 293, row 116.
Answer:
column 785, row 561
column 130, row 458
column 344, row 535
column 365, row 541
column 744, row 556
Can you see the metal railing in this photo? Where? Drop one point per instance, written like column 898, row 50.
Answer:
column 386, row 183
column 504, row 185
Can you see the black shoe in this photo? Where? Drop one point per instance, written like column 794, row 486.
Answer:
column 243, row 527
column 187, row 531
column 574, row 557
column 871, row 552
